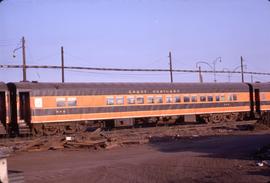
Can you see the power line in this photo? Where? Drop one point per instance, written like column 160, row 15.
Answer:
column 110, row 73
column 128, row 70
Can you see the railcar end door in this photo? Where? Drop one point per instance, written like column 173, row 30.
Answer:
column 25, row 113
column 2, row 108
column 257, row 101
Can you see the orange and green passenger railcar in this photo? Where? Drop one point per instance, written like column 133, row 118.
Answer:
column 57, row 102
column 34, row 104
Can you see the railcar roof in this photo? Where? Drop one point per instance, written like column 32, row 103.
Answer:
column 121, row 86
column 3, row 86
column 262, row 86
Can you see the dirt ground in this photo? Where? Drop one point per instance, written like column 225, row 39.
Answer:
column 202, row 159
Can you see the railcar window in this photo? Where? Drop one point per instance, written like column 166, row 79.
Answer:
column 203, row 98
column 159, row 99
column 217, row 98
column 222, row 98
column 194, row 99
column 139, row 100
column 234, row 97
column 60, row 102
column 169, row 99
column 210, row 98
column 110, row 101
column 131, row 100
column 72, row 101
column 186, row 99
column 230, row 97
column 119, row 100
column 38, row 102
column 176, row 99
column 150, row 100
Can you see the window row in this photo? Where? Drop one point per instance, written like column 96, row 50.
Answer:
column 168, row 99
column 62, row 102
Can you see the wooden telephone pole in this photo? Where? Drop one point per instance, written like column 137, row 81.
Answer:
column 62, row 64
column 170, row 59
column 242, row 69
column 200, row 75
column 24, row 60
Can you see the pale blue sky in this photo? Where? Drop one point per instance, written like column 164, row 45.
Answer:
column 134, row 34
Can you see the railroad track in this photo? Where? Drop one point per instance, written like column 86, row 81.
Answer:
column 181, row 126
column 182, row 130
column 138, row 135
column 187, row 126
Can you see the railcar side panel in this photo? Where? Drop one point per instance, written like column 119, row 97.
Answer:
column 265, row 101
column 132, row 114
column 66, row 102
column 97, row 107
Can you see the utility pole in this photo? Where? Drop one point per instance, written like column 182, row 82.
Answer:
column 23, row 59
column 251, row 78
column 62, row 64
column 170, row 59
column 242, row 69
column 200, row 75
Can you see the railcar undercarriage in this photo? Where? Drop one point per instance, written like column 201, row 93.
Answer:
column 265, row 118
column 40, row 129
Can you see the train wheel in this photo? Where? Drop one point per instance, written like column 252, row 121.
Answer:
column 230, row 117
column 240, row 117
column 201, row 119
column 216, row 118
column 101, row 124
column 69, row 129
column 138, row 123
column 50, row 130
column 265, row 118
column 37, row 131
column 235, row 116
column 81, row 127
column 206, row 119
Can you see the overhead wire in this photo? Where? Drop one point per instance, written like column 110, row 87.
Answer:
column 131, row 70
column 110, row 73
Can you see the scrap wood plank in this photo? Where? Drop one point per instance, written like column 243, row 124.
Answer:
column 134, row 141
column 31, row 144
column 86, row 143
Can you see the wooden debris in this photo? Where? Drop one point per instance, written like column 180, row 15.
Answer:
column 98, row 139
column 111, row 145
column 85, row 144
column 134, row 141
column 32, row 144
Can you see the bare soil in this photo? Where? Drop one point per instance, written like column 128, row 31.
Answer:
column 228, row 158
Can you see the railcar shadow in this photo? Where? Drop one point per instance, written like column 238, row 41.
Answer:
column 241, row 147
column 263, row 172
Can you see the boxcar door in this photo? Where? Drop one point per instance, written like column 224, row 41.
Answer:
column 257, row 101
column 2, row 108
column 25, row 113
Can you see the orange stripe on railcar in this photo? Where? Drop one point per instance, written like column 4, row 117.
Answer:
column 136, row 114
